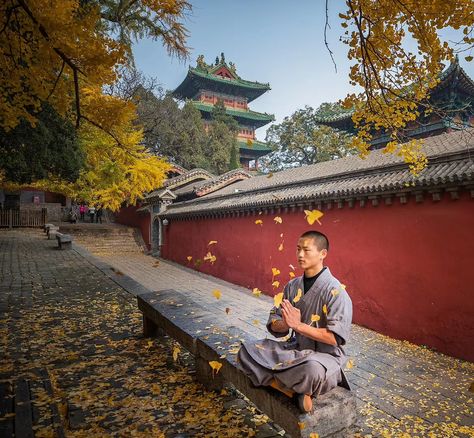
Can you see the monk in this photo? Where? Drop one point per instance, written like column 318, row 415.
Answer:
column 315, row 316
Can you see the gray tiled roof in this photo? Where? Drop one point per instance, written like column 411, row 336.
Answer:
column 450, row 161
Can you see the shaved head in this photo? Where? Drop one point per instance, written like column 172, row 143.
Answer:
column 320, row 240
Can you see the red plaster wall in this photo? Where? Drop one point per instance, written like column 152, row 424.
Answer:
column 409, row 269
column 129, row 216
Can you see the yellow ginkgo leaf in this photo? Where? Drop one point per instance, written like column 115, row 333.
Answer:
column 280, row 248
column 212, row 242
column 217, row 293
column 350, row 364
column 291, row 274
column 343, row 286
column 277, row 299
column 189, row 258
column 315, row 318
column 258, row 222
column 209, row 257
column 314, row 435
column 176, row 351
column 275, row 272
column 276, row 283
column 256, row 291
column 292, row 267
column 313, row 216
column 270, row 175
column 325, row 309
column 301, row 425
column 256, row 322
column 216, row 366
column 278, row 219
column 299, row 294
column 335, row 292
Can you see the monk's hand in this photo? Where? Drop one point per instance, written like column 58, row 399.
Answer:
column 291, row 315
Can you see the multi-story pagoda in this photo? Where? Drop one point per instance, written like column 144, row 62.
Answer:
column 206, row 84
column 452, row 101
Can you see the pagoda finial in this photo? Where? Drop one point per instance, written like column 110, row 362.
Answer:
column 200, row 61
column 232, row 66
column 217, row 60
column 222, row 58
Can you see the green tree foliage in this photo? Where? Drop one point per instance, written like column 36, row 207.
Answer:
column 300, row 140
column 51, row 147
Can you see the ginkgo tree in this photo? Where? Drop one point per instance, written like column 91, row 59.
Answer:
column 63, row 52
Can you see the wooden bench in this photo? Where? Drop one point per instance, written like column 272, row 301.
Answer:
column 210, row 337
column 64, row 241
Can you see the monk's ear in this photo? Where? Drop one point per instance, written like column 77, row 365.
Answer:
column 324, row 253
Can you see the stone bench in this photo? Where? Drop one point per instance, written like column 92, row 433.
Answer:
column 52, row 231
column 64, row 241
column 212, row 338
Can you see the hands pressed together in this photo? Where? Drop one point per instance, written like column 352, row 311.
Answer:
column 291, row 315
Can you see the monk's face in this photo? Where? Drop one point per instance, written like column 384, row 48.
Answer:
column 308, row 255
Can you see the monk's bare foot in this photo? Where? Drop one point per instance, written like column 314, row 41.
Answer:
column 305, row 403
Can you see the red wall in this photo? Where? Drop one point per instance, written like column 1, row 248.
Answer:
column 129, row 216
column 409, row 269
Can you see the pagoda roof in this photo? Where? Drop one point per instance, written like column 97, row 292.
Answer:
column 344, row 180
column 245, row 117
column 454, row 74
column 204, row 77
column 254, row 148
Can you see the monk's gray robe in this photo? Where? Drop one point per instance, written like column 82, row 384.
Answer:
column 300, row 363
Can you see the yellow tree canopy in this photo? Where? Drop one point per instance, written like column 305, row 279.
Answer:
column 59, row 51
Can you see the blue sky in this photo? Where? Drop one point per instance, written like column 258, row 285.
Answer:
column 275, row 41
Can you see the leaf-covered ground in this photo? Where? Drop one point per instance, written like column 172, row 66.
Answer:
column 62, row 318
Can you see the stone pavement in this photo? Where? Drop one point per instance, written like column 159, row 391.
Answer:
column 67, row 325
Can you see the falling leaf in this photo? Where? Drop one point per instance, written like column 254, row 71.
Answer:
column 276, row 283
column 325, row 309
column 350, row 364
column 256, row 291
column 278, row 219
column 314, row 435
column 217, row 293
column 189, row 258
column 343, row 286
column 176, row 351
column 277, row 299
column 216, row 366
column 291, row 274
column 256, row 322
column 275, row 272
column 313, row 216
column 299, row 294
column 334, row 292
column 227, row 310
column 281, row 235
column 315, row 318
column 259, row 222
column 301, row 426
column 212, row 242
column 211, row 258
column 280, row 248
column 292, row 267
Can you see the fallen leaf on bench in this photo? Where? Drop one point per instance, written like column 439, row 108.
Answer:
column 301, row 425
column 275, row 272
column 212, row 242
column 176, row 351
column 298, row 296
column 278, row 219
column 189, row 258
column 259, row 222
column 276, row 283
column 217, row 293
column 227, row 310
column 256, row 291
column 277, row 299
column 216, row 366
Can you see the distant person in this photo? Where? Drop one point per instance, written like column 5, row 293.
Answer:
column 98, row 215
column 92, row 214
column 82, row 211
column 72, row 216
